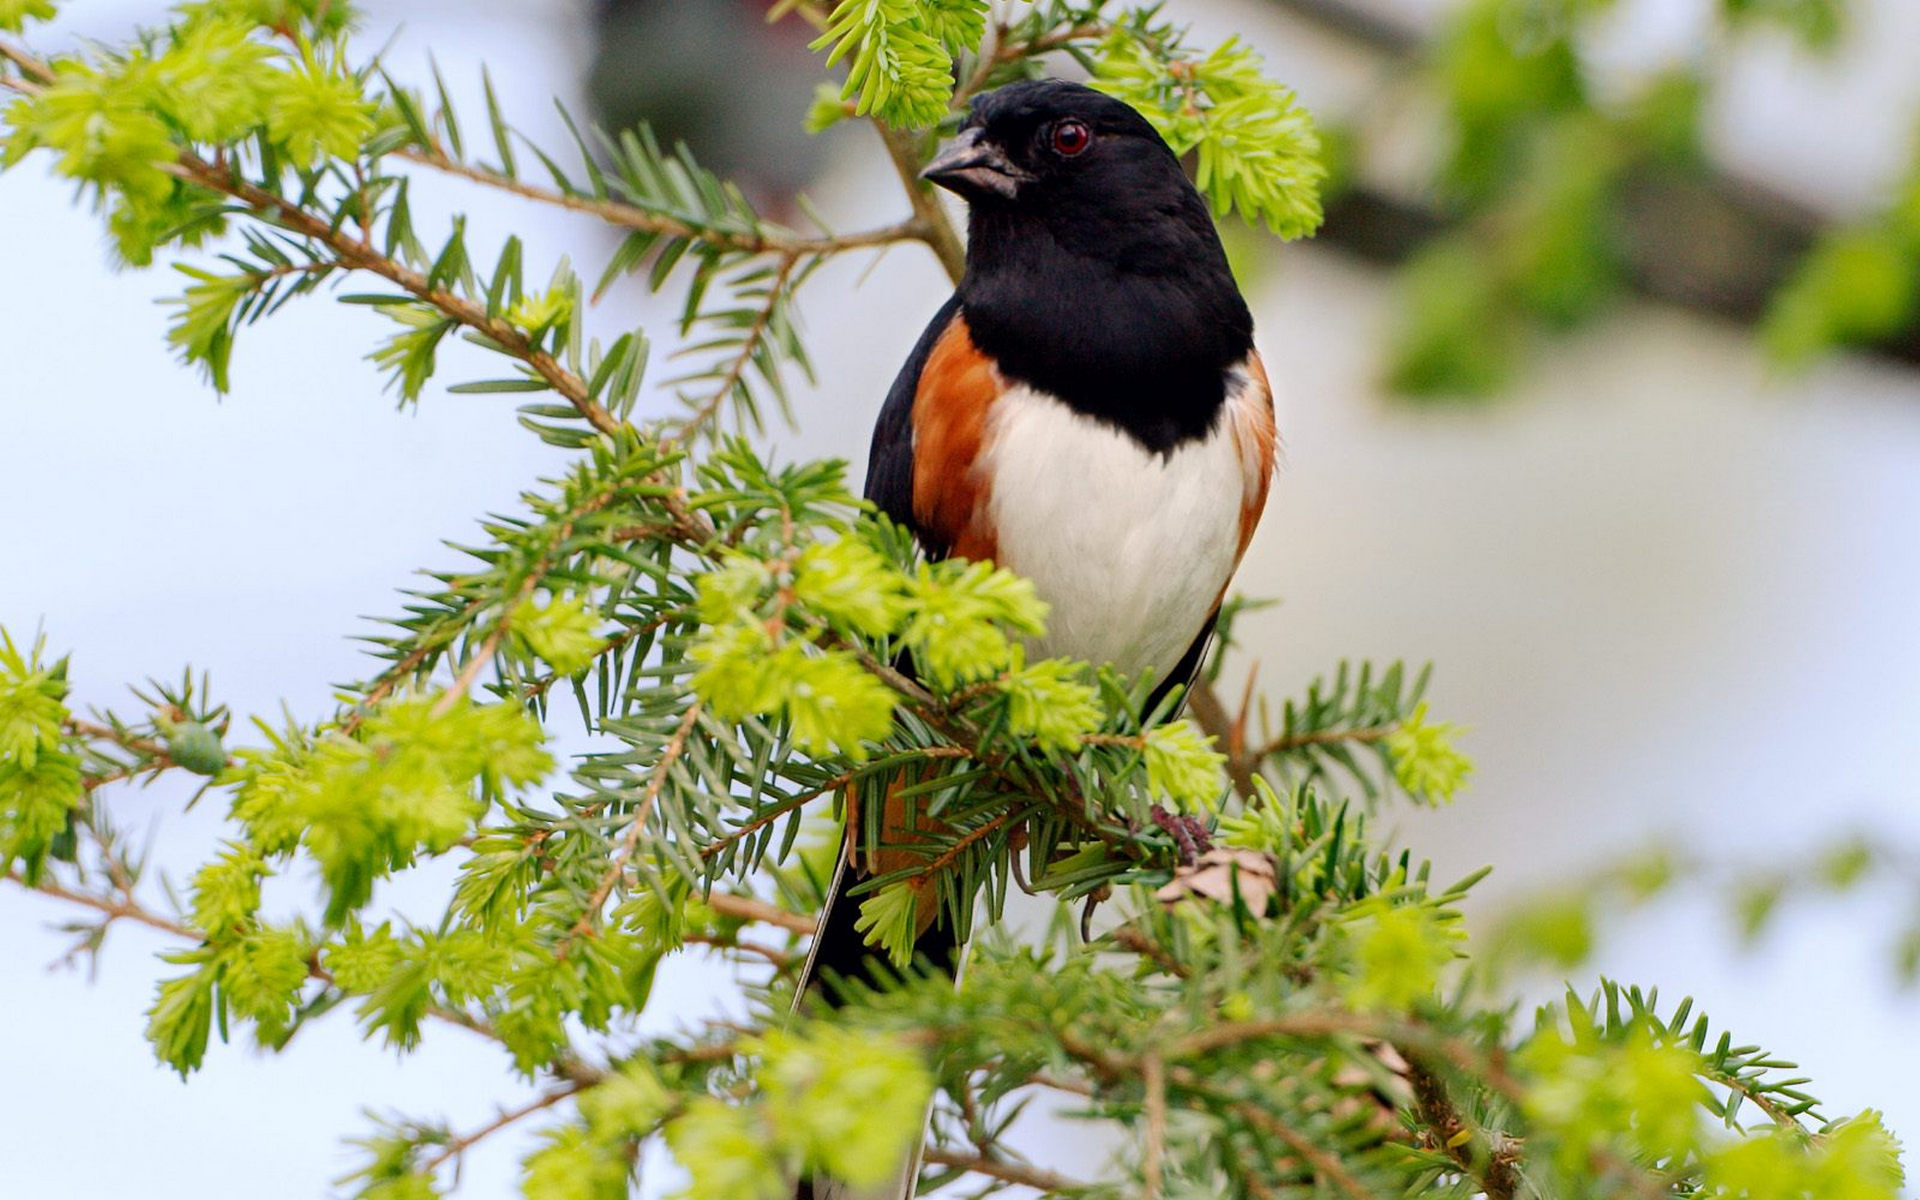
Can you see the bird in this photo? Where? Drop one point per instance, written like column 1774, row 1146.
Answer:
column 1087, row 410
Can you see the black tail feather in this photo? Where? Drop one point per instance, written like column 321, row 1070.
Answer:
column 840, row 959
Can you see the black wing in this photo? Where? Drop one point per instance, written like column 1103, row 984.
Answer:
column 890, row 461
column 1186, row 669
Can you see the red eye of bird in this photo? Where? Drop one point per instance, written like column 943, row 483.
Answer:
column 1070, row 137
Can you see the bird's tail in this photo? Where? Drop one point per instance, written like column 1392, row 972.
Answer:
column 840, row 957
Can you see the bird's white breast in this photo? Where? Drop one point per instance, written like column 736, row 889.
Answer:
column 1130, row 548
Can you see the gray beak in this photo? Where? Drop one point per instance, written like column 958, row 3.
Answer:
column 973, row 166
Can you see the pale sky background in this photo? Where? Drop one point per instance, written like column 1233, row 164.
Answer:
column 1669, row 592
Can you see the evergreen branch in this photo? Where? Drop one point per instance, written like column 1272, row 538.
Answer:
column 904, row 149
column 115, row 909
column 355, row 254
column 457, row 1147
column 150, row 756
column 630, row 840
column 1038, row 1178
column 391, row 678
column 629, row 216
column 445, row 635
column 776, row 812
column 953, row 853
column 1493, row 1160
column 1006, row 52
column 1324, row 737
column 811, row 794
column 1154, row 1105
column 749, row 909
column 539, row 687
column 707, row 410
column 476, row 662
column 1409, row 1037
column 127, row 908
column 1326, row 1165
column 1745, row 1087
column 38, row 74
column 780, row 960
column 1214, row 721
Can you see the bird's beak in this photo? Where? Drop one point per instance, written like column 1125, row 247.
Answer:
column 972, row 165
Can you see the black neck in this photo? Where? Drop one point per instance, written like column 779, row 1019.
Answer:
column 1139, row 331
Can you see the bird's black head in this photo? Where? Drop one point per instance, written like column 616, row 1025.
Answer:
column 1083, row 165
column 1093, row 267
column 1027, row 143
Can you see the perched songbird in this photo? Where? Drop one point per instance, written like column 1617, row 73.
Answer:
column 1087, row 411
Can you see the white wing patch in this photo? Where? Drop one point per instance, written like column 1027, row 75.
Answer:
column 1131, row 549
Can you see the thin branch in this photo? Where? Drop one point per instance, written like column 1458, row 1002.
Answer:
column 458, row 1146
column 353, row 254
column 1406, row 1036
column 1326, row 1165
column 1130, row 938
column 128, row 909
column 1154, row 1081
column 115, row 909
column 747, row 908
column 1214, row 720
column 1005, row 52
column 953, row 852
column 1492, row 1160
column 35, row 70
column 476, row 662
column 1325, row 737
column 903, row 147
column 1037, row 1178
column 540, row 686
column 630, row 841
column 145, row 747
column 628, row 216
column 780, row 959
column 709, row 408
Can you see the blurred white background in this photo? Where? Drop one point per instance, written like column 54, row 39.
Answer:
column 1668, row 592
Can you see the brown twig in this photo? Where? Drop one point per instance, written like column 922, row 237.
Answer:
column 1005, row 52
column 115, row 909
column 630, row 840
column 351, row 253
column 1409, row 1037
column 36, row 71
column 1154, row 1081
column 1326, row 737
column 1494, row 1162
column 903, row 147
column 709, row 408
column 953, row 852
column 780, row 959
column 628, row 216
column 458, row 1146
column 832, row 785
column 747, row 908
column 128, row 909
column 1326, row 1165
column 476, row 662
column 1037, row 1178
column 1214, row 720
column 1130, row 938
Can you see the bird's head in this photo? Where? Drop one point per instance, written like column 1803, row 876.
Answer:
column 1046, row 140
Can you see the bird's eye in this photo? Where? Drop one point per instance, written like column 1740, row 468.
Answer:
column 1070, row 137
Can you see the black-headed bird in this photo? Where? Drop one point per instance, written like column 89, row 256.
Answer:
column 1088, row 411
